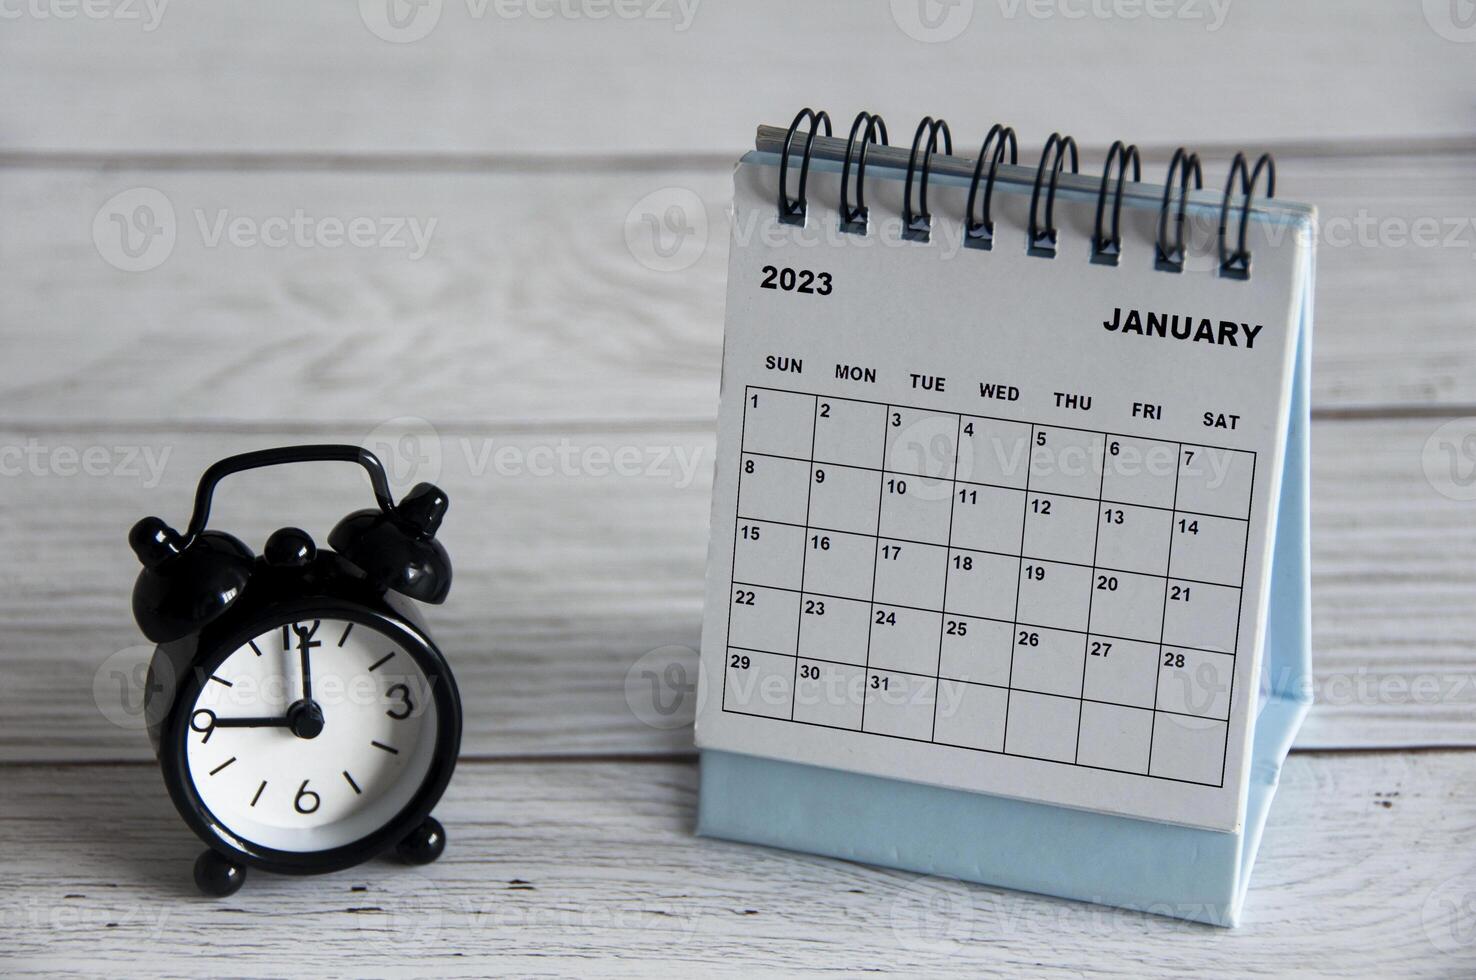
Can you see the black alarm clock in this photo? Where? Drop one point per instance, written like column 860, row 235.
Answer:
column 303, row 717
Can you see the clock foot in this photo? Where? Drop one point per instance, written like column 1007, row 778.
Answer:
column 218, row 876
column 423, row 844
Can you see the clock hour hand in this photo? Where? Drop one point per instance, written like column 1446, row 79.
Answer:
column 205, row 722
column 280, row 721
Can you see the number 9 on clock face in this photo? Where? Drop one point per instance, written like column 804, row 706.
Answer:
column 310, row 737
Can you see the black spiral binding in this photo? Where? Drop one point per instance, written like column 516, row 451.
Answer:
column 980, row 233
column 917, row 225
column 1185, row 175
column 793, row 212
column 1107, row 249
column 1170, row 257
column 1237, row 264
column 1042, row 240
column 854, row 219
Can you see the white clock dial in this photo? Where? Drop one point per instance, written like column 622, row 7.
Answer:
column 282, row 775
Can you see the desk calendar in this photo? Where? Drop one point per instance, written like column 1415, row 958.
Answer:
column 994, row 526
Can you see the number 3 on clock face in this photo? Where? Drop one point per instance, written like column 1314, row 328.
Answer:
column 311, row 736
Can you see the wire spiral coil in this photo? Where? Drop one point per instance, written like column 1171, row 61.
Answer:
column 1121, row 179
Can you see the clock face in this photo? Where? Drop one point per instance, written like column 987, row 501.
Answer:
column 312, row 735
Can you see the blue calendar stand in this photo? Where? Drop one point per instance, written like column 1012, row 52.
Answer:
column 1165, row 869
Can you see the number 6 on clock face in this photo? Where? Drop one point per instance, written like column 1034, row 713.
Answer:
column 275, row 773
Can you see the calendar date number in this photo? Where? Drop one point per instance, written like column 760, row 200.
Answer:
column 796, row 280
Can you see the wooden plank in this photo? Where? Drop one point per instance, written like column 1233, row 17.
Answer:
column 542, row 296
column 1393, row 563
column 580, row 868
column 567, row 582
column 574, row 555
column 687, row 76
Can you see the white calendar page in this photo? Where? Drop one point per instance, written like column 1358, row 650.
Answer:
column 964, row 534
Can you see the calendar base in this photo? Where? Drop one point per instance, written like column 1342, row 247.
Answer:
column 1160, row 868
column 1134, row 864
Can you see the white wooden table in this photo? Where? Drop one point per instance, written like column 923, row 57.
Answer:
column 533, row 330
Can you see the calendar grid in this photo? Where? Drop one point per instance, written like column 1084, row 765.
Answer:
column 1001, row 694
column 1153, row 723
column 1244, row 559
column 875, row 557
column 898, row 605
column 986, row 551
column 804, row 552
column 938, row 677
column 842, row 663
column 1002, row 486
column 733, row 564
column 924, row 741
column 1091, row 597
column 1004, row 736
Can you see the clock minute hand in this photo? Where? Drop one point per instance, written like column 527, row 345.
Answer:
column 305, row 718
column 305, row 643
column 307, row 669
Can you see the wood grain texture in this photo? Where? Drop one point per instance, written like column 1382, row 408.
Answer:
column 542, row 297
column 568, row 573
column 1365, row 869
column 275, row 76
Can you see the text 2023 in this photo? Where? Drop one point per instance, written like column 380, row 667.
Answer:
column 796, row 280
